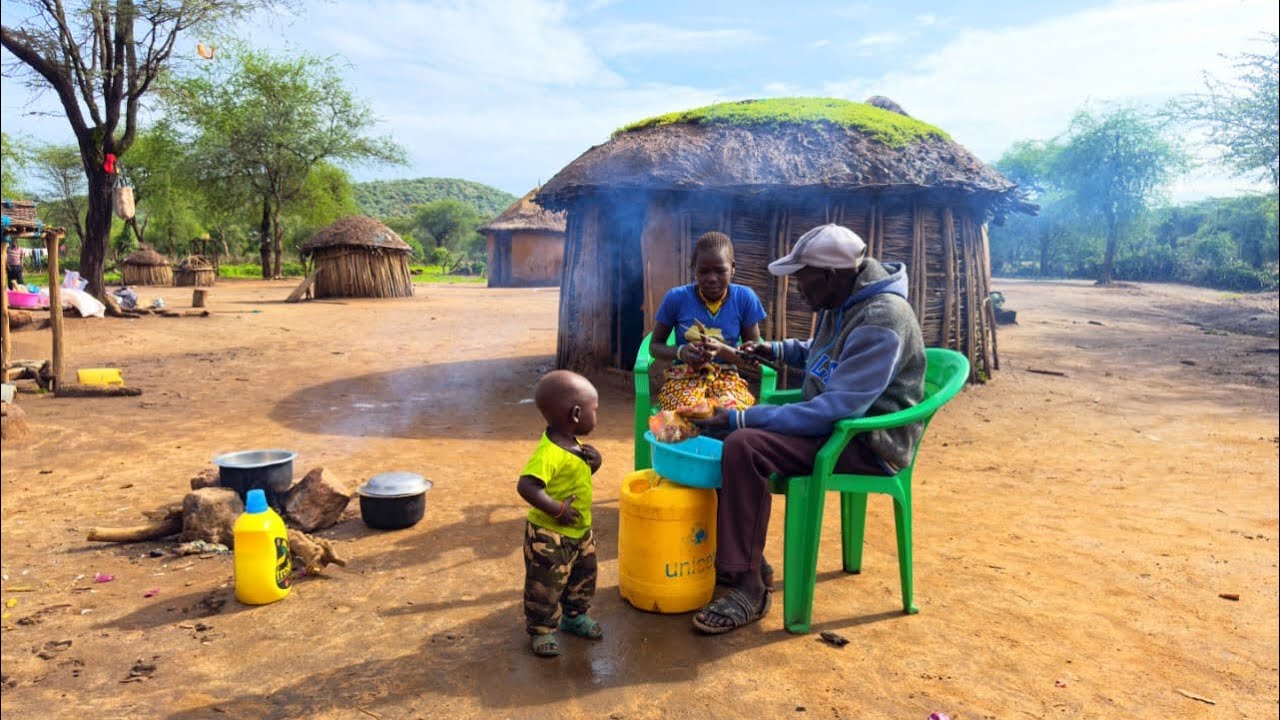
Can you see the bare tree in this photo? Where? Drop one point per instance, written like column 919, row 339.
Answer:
column 101, row 58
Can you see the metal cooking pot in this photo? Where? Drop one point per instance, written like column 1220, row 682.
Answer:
column 393, row 500
column 269, row 470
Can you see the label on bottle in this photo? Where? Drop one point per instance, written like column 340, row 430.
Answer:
column 284, row 567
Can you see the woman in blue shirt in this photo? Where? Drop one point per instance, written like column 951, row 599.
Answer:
column 710, row 316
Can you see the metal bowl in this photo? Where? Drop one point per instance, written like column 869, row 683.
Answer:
column 270, row 470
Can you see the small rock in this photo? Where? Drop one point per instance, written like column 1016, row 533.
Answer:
column 833, row 639
column 202, row 548
column 210, row 514
column 207, row 477
column 52, row 648
column 157, row 552
column 317, row 501
column 13, row 426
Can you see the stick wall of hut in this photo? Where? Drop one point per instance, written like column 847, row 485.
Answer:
column 362, row 272
column 146, row 275
column 583, row 298
column 940, row 240
column 660, row 243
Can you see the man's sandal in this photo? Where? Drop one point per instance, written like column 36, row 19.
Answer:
column 545, row 645
column 735, row 607
column 582, row 626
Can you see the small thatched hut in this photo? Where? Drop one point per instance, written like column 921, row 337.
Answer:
column 765, row 171
column 526, row 245
column 358, row 256
column 194, row 271
column 146, row 267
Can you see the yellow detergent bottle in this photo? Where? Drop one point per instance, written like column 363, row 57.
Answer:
column 263, row 568
column 666, row 544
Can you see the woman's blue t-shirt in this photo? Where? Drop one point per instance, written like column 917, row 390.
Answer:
column 681, row 306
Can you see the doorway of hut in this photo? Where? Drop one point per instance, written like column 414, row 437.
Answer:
column 626, row 225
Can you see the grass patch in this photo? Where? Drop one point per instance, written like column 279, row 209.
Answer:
column 433, row 274
column 254, row 270
column 888, row 127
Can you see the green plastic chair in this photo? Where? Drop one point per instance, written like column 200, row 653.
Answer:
column 645, row 406
column 945, row 375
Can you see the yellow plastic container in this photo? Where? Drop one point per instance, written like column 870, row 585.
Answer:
column 263, row 567
column 99, row 376
column 666, row 544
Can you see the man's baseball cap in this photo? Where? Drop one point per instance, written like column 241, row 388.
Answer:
column 826, row 246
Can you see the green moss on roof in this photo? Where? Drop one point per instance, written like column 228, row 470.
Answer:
column 888, row 127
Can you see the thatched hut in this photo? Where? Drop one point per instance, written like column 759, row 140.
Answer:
column 146, row 267
column 358, row 256
column 765, row 171
column 195, row 271
column 526, row 245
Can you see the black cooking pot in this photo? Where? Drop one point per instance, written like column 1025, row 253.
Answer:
column 393, row 500
column 267, row 470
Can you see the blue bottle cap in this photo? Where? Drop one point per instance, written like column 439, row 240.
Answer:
column 255, row 502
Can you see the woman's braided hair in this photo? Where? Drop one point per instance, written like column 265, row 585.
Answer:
column 712, row 242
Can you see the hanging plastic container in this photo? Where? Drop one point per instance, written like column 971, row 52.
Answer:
column 263, row 568
column 666, row 544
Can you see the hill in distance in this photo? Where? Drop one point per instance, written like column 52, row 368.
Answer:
column 393, row 198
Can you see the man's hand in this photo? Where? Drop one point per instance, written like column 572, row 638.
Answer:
column 591, row 456
column 718, row 419
column 756, row 350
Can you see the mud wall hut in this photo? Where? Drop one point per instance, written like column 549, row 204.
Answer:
column 526, row 245
column 146, row 267
column 358, row 256
column 764, row 172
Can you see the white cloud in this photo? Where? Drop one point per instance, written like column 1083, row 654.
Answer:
column 637, row 38
column 878, row 40
column 820, row 43
column 989, row 88
column 926, row 20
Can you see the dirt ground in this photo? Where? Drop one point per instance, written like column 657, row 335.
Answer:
column 1073, row 533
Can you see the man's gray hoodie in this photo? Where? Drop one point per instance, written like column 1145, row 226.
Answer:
column 866, row 358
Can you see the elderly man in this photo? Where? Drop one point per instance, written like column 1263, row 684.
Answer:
column 866, row 358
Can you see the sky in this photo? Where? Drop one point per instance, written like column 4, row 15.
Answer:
column 507, row 92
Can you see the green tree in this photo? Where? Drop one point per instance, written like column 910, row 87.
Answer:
column 448, row 224
column 102, row 58
column 266, row 122
column 15, row 155
column 60, row 170
column 1241, row 114
column 325, row 197
column 1030, row 164
column 1115, row 166
column 169, row 201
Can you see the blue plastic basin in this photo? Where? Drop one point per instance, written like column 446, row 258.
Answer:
column 694, row 462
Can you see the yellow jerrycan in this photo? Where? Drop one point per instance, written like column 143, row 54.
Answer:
column 666, row 544
column 261, row 554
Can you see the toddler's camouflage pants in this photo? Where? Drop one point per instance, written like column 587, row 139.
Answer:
column 559, row 572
